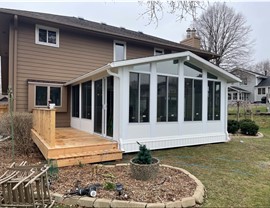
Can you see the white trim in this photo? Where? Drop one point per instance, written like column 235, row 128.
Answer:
column 125, row 49
column 45, row 83
column 56, row 30
column 190, row 57
column 158, row 49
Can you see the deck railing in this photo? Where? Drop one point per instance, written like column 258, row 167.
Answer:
column 3, row 109
column 44, row 124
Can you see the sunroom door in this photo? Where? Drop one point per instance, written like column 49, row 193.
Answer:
column 103, row 107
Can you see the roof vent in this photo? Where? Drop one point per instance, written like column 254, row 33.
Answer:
column 140, row 32
column 122, row 28
column 103, row 23
column 80, row 18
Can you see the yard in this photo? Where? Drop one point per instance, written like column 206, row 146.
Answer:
column 235, row 174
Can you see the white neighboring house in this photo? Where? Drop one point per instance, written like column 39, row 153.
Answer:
column 237, row 94
column 252, row 82
column 162, row 101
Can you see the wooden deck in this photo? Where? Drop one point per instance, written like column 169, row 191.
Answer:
column 72, row 147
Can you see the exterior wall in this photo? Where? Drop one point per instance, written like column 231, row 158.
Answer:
column 160, row 135
column 77, row 54
column 251, row 83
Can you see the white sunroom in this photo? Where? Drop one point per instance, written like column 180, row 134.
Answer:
column 162, row 101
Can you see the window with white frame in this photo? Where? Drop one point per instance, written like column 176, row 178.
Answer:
column 139, row 97
column 48, row 36
column 45, row 93
column 229, row 96
column 119, row 49
column 193, row 93
column 167, row 98
column 86, row 104
column 75, row 101
column 158, row 51
column 214, row 100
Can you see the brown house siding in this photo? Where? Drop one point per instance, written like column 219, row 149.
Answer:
column 77, row 54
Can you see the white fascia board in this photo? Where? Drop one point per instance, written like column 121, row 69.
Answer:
column 89, row 74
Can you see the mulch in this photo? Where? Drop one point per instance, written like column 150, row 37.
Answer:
column 170, row 184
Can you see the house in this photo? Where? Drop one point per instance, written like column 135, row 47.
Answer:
column 253, row 87
column 111, row 87
column 236, row 93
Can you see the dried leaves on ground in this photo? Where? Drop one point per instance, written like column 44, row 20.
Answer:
column 170, row 184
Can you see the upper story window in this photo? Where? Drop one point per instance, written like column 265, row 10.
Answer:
column 119, row 51
column 47, row 36
column 45, row 93
column 158, row 51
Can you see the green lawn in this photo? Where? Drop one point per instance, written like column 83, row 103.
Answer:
column 235, row 174
column 253, row 107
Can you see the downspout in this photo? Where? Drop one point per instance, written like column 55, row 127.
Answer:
column 116, row 75
column 15, row 52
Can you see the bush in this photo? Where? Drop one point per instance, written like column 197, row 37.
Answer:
column 245, row 120
column 22, row 131
column 249, row 128
column 233, row 126
column 144, row 155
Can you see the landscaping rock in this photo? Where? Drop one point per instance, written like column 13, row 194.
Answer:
column 176, row 204
column 58, row 197
column 72, row 200
column 104, row 203
column 137, row 204
column 188, row 202
column 86, row 201
column 198, row 197
column 155, row 205
column 119, row 203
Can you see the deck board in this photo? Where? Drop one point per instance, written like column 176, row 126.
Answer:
column 73, row 146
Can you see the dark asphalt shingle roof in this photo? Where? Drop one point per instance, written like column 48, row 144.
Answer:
column 105, row 29
column 249, row 71
column 264, row 83
column 234, row 88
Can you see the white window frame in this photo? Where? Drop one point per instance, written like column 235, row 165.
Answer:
column 158, row 49
column 48, row 29
column 48, row 93
column 114, row 51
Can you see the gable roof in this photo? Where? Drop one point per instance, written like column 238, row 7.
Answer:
column 234, row 88
column 257, row 74
column 188, row 56
column 120, row 32
column 264, row 83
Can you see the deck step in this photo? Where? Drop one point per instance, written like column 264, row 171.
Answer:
column 83, row 158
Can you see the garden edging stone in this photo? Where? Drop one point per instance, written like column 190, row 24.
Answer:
column 197, row 197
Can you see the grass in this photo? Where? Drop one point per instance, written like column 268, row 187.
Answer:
column 254, row 107
column 235, row 174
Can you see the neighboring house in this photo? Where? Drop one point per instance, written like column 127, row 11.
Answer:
column 237, row 94
column 251, row 82
column 123, row 85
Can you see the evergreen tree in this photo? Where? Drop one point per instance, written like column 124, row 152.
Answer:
column 144, row 155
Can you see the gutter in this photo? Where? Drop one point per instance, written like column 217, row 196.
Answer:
column 15, row 53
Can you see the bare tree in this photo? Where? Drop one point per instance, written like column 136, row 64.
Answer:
column 225, row 32
column 262, row 67
column 182, row 9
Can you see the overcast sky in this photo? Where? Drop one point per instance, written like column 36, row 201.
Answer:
column 128, row 15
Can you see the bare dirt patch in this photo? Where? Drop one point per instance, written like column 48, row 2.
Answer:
column 170, row 184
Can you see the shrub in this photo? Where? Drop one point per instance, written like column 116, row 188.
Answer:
column 144, row 155
column 245, row 120
column 249, row 128
column 233, row 126
column 22, row 131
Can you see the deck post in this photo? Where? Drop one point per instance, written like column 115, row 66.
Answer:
column 44, row 124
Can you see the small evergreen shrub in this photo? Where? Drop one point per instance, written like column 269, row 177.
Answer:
column 249, row 128
column 109, row 186
column 233, row 126
column 22, row 131
column 144, row 155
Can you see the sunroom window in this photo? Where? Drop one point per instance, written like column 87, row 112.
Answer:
column 47, row 36
column 214, row 100
column 75, row 101
column 86, row 99
column 139, row 92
